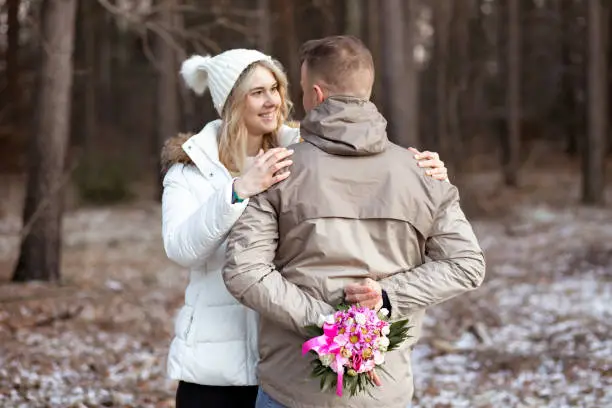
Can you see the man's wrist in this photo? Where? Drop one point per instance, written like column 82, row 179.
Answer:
column 386, row 303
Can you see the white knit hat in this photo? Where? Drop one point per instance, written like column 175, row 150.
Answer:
column 218, row 73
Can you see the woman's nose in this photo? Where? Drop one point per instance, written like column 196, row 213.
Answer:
column 271, row 100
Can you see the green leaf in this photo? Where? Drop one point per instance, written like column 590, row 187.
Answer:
column 313, row 331
column 329, row 381
column 351, row 385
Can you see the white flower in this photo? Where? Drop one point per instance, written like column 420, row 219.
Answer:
column 360, row 318
column 384, row 342
column 329, row 319
column 326, row 359
column 379, row 358
column 383, row 312
column 385, row 330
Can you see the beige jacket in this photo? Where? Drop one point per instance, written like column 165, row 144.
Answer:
column 355, row 206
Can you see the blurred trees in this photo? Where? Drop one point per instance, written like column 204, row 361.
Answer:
column 42, row 217
column 516, row 80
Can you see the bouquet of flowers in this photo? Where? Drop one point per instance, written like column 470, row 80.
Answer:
column 350, row 344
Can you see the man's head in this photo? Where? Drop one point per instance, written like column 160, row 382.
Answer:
column 337, row 65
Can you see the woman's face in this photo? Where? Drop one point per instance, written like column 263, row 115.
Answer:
column 262, row 103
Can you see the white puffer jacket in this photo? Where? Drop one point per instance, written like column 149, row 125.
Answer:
column 215, row 340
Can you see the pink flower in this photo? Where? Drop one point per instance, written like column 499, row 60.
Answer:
column 357, row 361
column 341, row 339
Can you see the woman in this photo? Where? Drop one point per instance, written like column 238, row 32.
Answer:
column 209, row 180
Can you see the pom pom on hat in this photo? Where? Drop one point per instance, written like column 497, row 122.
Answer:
column 193, row 71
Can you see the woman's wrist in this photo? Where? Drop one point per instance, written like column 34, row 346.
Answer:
column 237, row 194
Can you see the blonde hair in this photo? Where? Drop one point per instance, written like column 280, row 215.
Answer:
column 233, row 132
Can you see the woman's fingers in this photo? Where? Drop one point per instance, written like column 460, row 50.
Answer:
column 431, row 163
column 439, row 173
column 278, row 154
column 281, row 165
column 280, row 177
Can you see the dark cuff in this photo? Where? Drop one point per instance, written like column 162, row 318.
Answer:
column 386, row 301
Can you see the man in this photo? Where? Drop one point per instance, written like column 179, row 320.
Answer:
column 354, row 222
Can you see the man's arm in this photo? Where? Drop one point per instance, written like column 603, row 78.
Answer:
column 457, row 263
column 250, row 274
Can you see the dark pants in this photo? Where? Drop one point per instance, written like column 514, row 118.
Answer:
column 190, row 395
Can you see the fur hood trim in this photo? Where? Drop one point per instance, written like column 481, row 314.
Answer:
column 173, row 153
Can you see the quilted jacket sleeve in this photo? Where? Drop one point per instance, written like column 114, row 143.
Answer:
column 194, row 227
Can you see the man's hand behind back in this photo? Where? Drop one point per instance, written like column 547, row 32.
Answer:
column 367, row 293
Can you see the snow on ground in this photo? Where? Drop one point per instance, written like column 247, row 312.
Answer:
column 545, row 309
column 536, row 334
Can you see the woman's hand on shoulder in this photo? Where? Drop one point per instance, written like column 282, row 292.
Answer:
column 431, row 161
column 266, row 170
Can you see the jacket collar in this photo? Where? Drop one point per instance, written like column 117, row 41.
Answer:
column 203, row 148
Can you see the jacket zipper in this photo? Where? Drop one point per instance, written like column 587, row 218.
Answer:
column 188, row 329
column 190, row 325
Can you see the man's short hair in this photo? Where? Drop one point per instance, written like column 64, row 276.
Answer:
column 342, row 62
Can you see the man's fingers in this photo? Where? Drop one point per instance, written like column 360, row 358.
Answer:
column 375, row 378
column 356, row 288
column 362, row 297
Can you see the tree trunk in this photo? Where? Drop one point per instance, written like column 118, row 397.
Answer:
column 569, row 103
column 12, row 61
column 353, row 17
column 513, row 104
column 594, row 149
column 442, row 19
column 373, row 41
column 167, row 94
column 91, row 118
column 287, row 27
column 264, row 38
column 411, row 9
column 39, row 258
column 394, row 72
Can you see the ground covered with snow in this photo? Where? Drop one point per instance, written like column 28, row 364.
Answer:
column 536, row 334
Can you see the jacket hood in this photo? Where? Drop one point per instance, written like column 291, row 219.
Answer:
column 346, row 126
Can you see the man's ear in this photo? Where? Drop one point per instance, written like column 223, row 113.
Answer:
column 319, row 93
